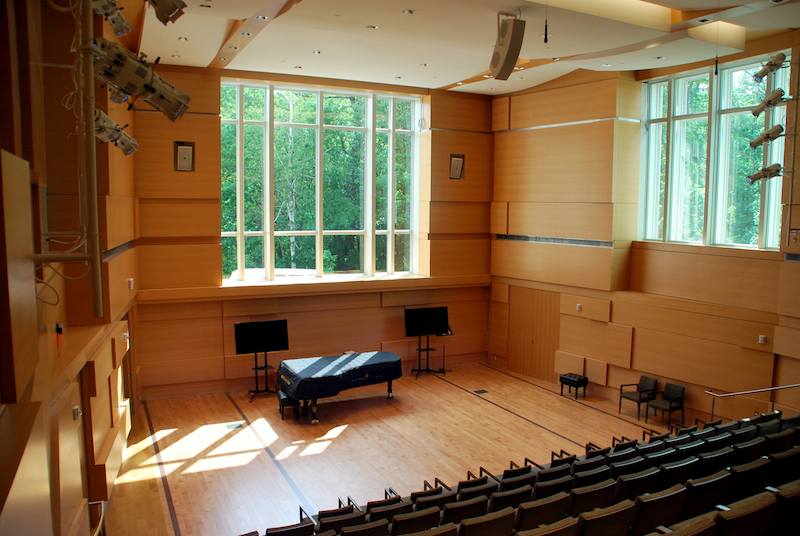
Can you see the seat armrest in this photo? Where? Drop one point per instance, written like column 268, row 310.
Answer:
column 661, row 529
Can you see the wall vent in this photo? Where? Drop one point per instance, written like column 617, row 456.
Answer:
column 792, row 257
column 560, row 241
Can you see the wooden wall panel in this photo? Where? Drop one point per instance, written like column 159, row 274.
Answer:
column 404, row 297
column 627, row 137
column 787, row 342
column 180, row 371
column 787, row 372
column 629, row 97
column 592, row 221
column 498, row 319
column 530, row 165
column 566, row 363
column 621, row 266
column 201, row 85
column 120, row 165
column 501, row 113
column 443, row 296
column 459, row 257
column 626, row 217
column 180, row 265
column 184, row 311
column 155, row 163
column 477, row 149
column 789, row 289
column 598, row 101
column 116, row 221
column 500, row 292
column 460, row 111
column 533, row 329
column 574, row 266
column 178, row 217
column 448, row 217
column 606, row 342
column 727, row 366
column 707, row 277
column 179, row 339
column 121, row 268
column 499, row 218
column 591, row 308
column 596, row 371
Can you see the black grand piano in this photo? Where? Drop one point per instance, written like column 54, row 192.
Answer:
column 311, row 378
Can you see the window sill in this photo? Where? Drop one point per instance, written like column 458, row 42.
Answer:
column 301, row 286
column 720, row 251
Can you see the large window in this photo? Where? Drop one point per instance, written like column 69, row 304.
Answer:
column 316, row 182
column 697, row 132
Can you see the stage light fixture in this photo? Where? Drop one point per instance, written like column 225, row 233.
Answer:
column 130, row 76
column 112, row 15
column 771, row 100
column 764, row 173
column 107, row 130
column 767, row 135
column 167, row 10
column 773, row 64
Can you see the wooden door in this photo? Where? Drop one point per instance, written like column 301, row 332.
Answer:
column 533, row 326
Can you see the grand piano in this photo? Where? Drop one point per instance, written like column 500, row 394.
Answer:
column 311, row 378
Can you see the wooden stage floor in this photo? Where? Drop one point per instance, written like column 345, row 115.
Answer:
column 218, row 465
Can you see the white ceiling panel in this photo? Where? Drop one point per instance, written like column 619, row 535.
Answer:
column 196, row 39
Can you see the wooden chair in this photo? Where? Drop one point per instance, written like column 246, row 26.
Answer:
column 644, row 392
column 660, row 508
column 749, row 517
column 788, row 505
column 388, row 512
column 703, row 494
column 415, row 521
column 499, row 523
column 588, row 498
column 551, row 487
column 615, row 519
column 633, row 485
column 748, row 479
column 456, row 512
column 541, row 512
column 671, row 401
column 512, row 498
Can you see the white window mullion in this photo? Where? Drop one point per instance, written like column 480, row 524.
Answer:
column 369, row 190
column 269, row 189
column 667, row 231
column 318, row 185
column 390, row 189
column 240, row 260
column 712, row 169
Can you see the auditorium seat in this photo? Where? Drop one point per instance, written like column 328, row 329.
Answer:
column 711, row 462
column 388, row 512
column 473, row 482
column 348, row 509
column 445, row 530
column 336, row 523
column 374, row 528
column 632, row 465
column 686, row 430
column 648, row 448
column 415, row 521
column 553, row 473
column 593, row 476
column 748, row 451
column 565, row 527
column 774, row 414
column 660, row 508
column 705, row 433
column 620, row 455
column 702, row 525
column 792, row 421
column 744, row 434
column 778, row 442
column 508, row 484
column 516, row 471
column 563, row 460
column 621, row 446
column 678, row 472
column 656, row 459
column 690, row 449
column 587, row 498
column 512, row 498
column 541, row 512
column 253, row 533
column 710, row 424
column 551, row 487
column 675, row 442
column 615, row 519
column 438, row 501
column 726, row 427
column 632, row 485
column 304, row 528
column 594, row 453
column 588, row 464
column 455, row 512
column 494, row 524
column 751, row 516
column 788, row 505
column 381, row 503
column 425, row 493
column 717, row 442
column 703, row 494
column 476, row 491
column 785, row 466
column 769, row 427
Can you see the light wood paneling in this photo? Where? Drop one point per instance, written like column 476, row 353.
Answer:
column 66, row 483
column 406, row 297
column 629, row 97
column 621, row 266
column 787, row 372
column 121, row 268
column 725, row 366
column 460, row 111
column 627, row 136
column 18, row 330
column 599, row 340
column 598, row 101
column 575, row 266
column 266, row 306
column 707, row 277
column 626, row 217
column 179, row 339
column 501, row 110
column 477, row 149
column 178, row 371
column 592, row 221
column 566, row 363
column 296, row 304
column 439, row 296
column 116, row 221
column 498, row 347
column 787, row 342
column 120, row 165
column 155, row 163
column 591, row 308
column 499, row 218
column 789, row 289
column 500, row 292
column 449, row 217
column 530, row 165
column 533, row 328
column 183, row 311
column 596, row 371
column 459, row 257
column 178, row 217
column 202, row 85
column 180, row 265
column 498, row 319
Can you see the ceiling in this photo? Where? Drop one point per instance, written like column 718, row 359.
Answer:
column 448, row 43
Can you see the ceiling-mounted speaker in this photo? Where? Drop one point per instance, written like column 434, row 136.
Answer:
column 506, row 50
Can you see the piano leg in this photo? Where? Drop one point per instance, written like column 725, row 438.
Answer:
column 314, row 419
column 391, row 394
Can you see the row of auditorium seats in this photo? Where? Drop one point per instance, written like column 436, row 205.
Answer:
column 696, row 468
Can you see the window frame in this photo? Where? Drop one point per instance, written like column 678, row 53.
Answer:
column 368, row 232
column 664, row 228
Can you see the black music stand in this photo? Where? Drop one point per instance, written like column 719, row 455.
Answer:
column 426, row 322
column 261, row 337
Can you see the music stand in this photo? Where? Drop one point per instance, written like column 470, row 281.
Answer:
column 426, row 322
column 261, row 337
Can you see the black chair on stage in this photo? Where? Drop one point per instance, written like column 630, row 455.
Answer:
column 645, row 391
column 671, row 400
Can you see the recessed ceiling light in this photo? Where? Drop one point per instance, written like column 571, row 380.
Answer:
column 398, row 77
column 181, row 38
column 371, row 27
column 487, row 76
column 459, row 83
column 409, row 11
column 660, row 57
column 317, row 52
column 205, row 5
column 246, row 34
column 423, row 64
column 554, row 59
column 176, row 55
column 223, row 59
column 520, row 78
column 517, row 68
column 298, row 66
column 605, row 65
column 261, row 17
column 233, row 47
column 548, row 35
column 703, row 21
